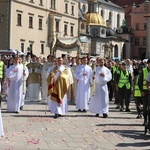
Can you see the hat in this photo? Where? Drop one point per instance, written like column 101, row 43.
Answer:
column 123, row 63
column 148, row 61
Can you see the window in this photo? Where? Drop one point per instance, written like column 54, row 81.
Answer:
column 102, row 13
column 137, row 26
column 41, row 2
column 30, row 22
column 146, row 7
column 57, row 26
column 66, row 8
column 42, row 48
column 22, row 47
column 144, row 40
column 136, row 41
column 110, row 17
column 31, row 1
column 53, row 4
column 145, row 26
column 72, row 10
column 71, row 30
column 83, row 8
column 116, row 51
column 82, row 26
column 40, row 23
column 65, row 29
column 19, row 19
column 31, row 47
column 118, row 21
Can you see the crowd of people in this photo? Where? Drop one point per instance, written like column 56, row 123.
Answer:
column 88, row 83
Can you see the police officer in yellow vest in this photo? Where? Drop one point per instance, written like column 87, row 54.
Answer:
column 123, row 86
column 137, row 92
column 144, row 89
column 2, row 76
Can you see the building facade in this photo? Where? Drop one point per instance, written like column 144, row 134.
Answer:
column 135, row 11
column 31, row 24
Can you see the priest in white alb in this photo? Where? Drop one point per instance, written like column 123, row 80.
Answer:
column 99, row 103
column 59, row 80
column 15, row 75
column 84, row 76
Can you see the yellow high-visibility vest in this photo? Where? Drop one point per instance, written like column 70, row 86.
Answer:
column 137, row 92
column 145, row 74
column 1, row 69
column 124, row 80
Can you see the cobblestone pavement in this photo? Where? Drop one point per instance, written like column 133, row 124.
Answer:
column 36, row 129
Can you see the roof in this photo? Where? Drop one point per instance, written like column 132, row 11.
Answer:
column 81, row 15
column 108, row 2
column 127, row 4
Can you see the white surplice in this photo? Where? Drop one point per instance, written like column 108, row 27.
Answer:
column 24, row 88
column 15, row 87
column 45, row 68
column 83, row 86
column 99, row 103
column 1, row 125
column 63, row 108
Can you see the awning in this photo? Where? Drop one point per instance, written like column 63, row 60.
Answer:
column 67, row 44
column 84, row 39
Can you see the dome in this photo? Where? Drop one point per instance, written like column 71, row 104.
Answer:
column 94, row 19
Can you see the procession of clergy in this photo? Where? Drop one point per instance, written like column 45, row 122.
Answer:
column 57, row 82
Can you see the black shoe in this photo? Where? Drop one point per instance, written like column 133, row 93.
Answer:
column 97, row 115
column 121, row 109
column 139, row 116
column 56, row 116
column 79, row 110
column 84, row 110
column 59, row 115
column 17, row 112
column 127, row 110
column 105, row 115
column 21, row 108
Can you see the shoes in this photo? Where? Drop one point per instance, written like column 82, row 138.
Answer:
column 105, row 115
column 21, row 108
column 17, row 112
column 127, row 110
column 117, row 107
column 79, row 110
column 56, row 116
column 84, row 110
column 139, row 116
column 97, row 115
column 121, row 109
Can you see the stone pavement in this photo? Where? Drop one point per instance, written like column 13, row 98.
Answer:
column 36, row 129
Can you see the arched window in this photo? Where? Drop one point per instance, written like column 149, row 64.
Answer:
column 83, row 8
column 110, row 17
column 116, row 51
column 124, row 52
column 102, row 13
column 82, row 26
column 118, row 20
